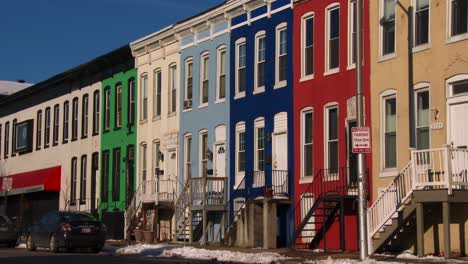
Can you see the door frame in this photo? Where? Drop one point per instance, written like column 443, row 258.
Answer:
column 453, row 100
column 275, row 134
column 215, row 160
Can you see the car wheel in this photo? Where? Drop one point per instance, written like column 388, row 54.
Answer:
column 30, row 244
column 53, row 247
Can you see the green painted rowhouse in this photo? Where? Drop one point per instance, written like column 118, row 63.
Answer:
column 118, row 141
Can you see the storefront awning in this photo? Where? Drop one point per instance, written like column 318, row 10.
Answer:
column 32, row 181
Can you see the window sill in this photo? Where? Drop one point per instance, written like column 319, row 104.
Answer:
column 117, row 128
column 457, row 38
column 142, row 122
column 386, row 57
column 351, row 67
column 55, row 144
column 171, row 114
column 388, row 173
column 95, row 134
column 306, row 180
column 187, row 110
column 280, row 85
column 259, row 90
column 421, row 47
column 203, row 105
column 156, row 118
column 239, row 96
column 64, row 142
column 332, row 71
column 219, row 101
column 84, row 137
column 306, row 78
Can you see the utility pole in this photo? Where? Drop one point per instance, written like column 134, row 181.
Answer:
column 362, row 201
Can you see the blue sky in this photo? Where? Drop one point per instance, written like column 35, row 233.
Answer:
column 41, row 38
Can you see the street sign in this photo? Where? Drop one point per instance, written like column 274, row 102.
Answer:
column 361, row 140
column 7, row 183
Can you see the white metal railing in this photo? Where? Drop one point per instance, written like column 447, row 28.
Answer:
column 166, row 190
column 132, row 209
column 258, row 179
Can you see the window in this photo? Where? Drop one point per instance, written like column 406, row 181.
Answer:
column 96, row 112
column 156, row 158
column 47, row 128
column 387, row 27
column 390, row 135
column 118, row 106
column 240, row 148
column 259, row 145
column 240, row 68
column 421, row 22
column 116, row 175
column 307, row 142
column 13, row 138
column 221, row 74
column 39, row 129
column 203, row 153
column 260, row 58
column 307, row 45
column 144, row 98
column 188, row 157
column 459, row 17
column 188, row 84
column 352, row 34
column 422, row 119
column 460, row 87
column 66, row 121
column 73, row 181
column 332, row 139
column 6, row 147
column 172, row 89
column 157, row 92
column 204, row 78
column 131, row 102
column 56, row 125
column 106, row 109
column 74, row 119
column 0, row 141
column 84, row 116
column 143, row 166
column 105, row 176
column 333, row 39
column 83, row 179
column 281, row 55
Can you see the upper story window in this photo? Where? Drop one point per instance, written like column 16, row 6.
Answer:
column 333, row 39
column 204, row 78
column 459, row 17
column 144, row 98
column 387, row 27
column 307, row 142
column 74, row 119
column 47, row 128
column 56, row 125
column 421, row 22
column 221, row 74
column 422, row 119
column 307, row 53
column 107, row 108
column 281, row 55
column 131, row 102
column 260, row 59
column 84, row 116
column 6, row 146
column 96, row 112
column 352, row 34
column 39, row 130
column 66, row 121
column 157, row 90
column 241, row 59
column 188, row 84
column 172, row 89
column 240, row 148
column 118, row 106
column 389, row 131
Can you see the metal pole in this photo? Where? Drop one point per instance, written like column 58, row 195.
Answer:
column 362, row 210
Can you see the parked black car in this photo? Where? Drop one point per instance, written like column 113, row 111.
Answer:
column 67, row 230
column 9, row 233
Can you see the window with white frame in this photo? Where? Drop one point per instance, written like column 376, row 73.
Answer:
column 83, row 179
column 96, row 112
column 240, row 148
column 259, row 145
column 241, row 59
column 307, row 45
column 39, row 129
column 73, row 181
column 74, row 119
column 55, row 136
column 107, row 108
column 188, row 157
column 221, row 74
column 188, row 83
column 281, row 55
column 422, row 119
column 172, row 89
column 352, row 33
column 307, row 142
column 6, row 146
column 0, row 141
column 387, row 27
column 143, row 163
column 203, row 153
column 144, row 98
column 105, row 175
column 332, row 139
column 459, row 17
column 421, row 22
column 66, row 121
column 157, row 159
column 459, row 87
column 389, row 131
column 333, row 39
column 84, row 116
column 157, row 89
column 260, row 58
column 204, row 78
column 118, row 105
column 47, row 128
column 131, row 102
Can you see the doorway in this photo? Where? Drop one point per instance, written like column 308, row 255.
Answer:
column 94, row 173
column 352, row 158
column 130, row 179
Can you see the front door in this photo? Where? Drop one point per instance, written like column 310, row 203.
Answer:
column 459, row 125
column 352, row 157
column 94, row 173
column 220, row 161
column 280, row 164
column 130, row 179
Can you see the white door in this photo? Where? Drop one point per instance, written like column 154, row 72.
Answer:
column 168, row 184
column 459, row 125
column 280, row 164
column 220, row 161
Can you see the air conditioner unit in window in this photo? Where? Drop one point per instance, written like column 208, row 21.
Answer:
column 188, row 104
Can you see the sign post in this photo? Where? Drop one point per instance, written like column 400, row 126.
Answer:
column 7, row 184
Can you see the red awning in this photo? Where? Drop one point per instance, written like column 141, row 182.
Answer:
column 33, row 181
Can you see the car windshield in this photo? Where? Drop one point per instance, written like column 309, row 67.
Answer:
column 72, row 217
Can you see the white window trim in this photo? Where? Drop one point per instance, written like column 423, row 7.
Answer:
column 421, row 47
column 351, row 21
column 239, row 42
column 186, row 76
column 200, row 149
column 386, row 172
column 279, row 28
column 143, row 159
column 304, row 18
column 329, row 71
column 204, row 56
column 240, row 127
column 172, row 84
column 187, row 155
column 420, row 88
column 390, row 55
column 218, row 73
column 449, row 85
column 327, row 107
column 450, row 38
column 305, row 178
column 258, row 36
column 142, row 77
column 155, row 93
column 258, row 123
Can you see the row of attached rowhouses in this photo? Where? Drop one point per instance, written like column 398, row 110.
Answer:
column 235, row 126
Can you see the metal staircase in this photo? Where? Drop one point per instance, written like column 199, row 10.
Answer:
column 133, row 212
column 182, row 214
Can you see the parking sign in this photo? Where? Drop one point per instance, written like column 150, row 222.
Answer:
column 7, row 183
column 361, row 140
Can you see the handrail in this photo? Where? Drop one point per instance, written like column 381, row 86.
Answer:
column 236, row 213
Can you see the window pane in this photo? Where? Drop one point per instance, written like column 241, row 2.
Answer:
column 423, row 109
column 334, row 39
column 422, row 136
column 333, row 124
column 459, row 17
column 308, row 129
column 309, row 46
column 333, row 157
column 422, row 25
column 260, row 74
column 334, row 23
column 308, row 160
column 390, row 150
column 309, row 32
column 388, row 27
column 282, row 35
column 460, row 87
column 390, row 115
column 241, row 80
column 282, row 68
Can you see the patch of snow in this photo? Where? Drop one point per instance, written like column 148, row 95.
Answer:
column 428, row 258
column 22, row 245
column 142, row 249
column 223, row 255
column 348, row 261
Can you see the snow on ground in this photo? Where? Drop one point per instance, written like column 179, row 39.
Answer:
column 22, row 245
column 348, row 261
column 429, row 258
column 142, row 249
